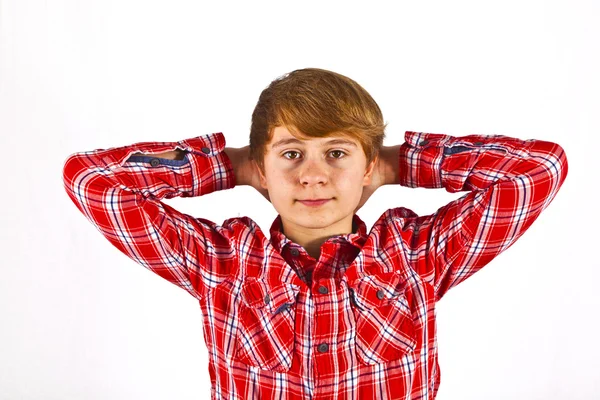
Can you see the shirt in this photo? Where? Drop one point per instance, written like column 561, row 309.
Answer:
column 359, row 322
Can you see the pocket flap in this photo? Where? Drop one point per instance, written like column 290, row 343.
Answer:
column 257, row 293
column 377, row 290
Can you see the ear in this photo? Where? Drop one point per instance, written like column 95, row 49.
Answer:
column 369, row 171
column 262, row 178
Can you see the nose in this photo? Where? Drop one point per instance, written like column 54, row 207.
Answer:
column 313, row 172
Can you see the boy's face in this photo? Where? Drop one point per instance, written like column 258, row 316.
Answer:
column 311, row 169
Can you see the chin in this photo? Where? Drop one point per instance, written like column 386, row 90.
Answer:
column 315, row 221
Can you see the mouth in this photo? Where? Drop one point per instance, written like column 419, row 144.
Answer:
column 314, row 203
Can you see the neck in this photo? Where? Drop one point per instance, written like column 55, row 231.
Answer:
column 312, row 238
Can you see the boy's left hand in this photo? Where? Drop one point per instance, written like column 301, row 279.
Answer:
column 385, row 172
column 378, row 179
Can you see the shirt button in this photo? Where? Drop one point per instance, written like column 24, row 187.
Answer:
column 478, row 143
column 424, row 142
column 155, row 162
column 205, row 150
column 267, row 299
column 323, row 347
column 294, row 252
column 323, row 289
column 380, row 294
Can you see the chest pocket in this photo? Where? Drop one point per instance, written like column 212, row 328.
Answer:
column 267, row 318
column 384, row 326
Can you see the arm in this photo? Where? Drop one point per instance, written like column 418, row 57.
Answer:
column 510, row 182
column 119, row 190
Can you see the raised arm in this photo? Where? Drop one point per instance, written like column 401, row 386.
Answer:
column 119, row 190
column 510, row 182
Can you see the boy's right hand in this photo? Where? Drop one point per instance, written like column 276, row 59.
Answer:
column 245, row 170
column 254, row 180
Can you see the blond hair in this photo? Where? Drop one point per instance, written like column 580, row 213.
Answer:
column 315, row 103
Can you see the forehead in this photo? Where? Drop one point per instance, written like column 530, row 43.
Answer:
column 282, row 137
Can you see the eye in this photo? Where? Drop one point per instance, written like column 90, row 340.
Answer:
column 288, row 152
column 338, row 151
column 331, row 152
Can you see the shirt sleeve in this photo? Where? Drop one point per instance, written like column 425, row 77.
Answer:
column 120, row 191
column 510, row 181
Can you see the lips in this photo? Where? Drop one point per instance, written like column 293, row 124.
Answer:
column 314, row 203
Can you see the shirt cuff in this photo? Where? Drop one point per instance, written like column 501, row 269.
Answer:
column 420, row 159
column 213, row 169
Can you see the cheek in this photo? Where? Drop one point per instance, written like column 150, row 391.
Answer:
column 348, row 180
column 280, row 176
column 281, row 187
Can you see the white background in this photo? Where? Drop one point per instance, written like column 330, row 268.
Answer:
column 79, row 320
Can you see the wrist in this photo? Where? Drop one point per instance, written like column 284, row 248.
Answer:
column 169, row 155
column 390, row 164
column 238, row 158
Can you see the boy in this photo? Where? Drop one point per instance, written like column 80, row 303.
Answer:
column 323, row 309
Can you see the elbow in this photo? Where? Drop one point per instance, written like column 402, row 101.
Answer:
column 553, row 158
column 562, row 164
column 70, row 168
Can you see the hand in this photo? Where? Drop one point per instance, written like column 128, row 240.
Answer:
column 245, row 170
column 384, row 173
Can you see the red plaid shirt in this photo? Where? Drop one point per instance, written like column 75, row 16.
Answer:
column 359, row 322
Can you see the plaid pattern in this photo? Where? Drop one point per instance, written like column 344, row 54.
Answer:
column 359, row 323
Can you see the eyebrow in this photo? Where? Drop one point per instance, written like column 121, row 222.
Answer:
column 283, row 142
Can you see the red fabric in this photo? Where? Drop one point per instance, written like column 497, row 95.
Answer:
column 272, row 332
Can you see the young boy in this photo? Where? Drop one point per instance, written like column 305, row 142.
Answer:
column 322, row 309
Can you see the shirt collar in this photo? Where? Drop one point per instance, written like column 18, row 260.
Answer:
column 357, row 237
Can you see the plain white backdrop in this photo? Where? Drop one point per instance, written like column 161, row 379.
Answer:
column 79, row 320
